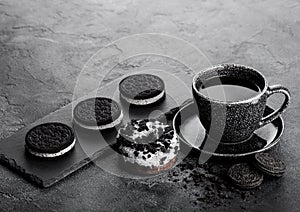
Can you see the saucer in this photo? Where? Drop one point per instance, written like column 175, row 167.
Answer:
column 191, row 132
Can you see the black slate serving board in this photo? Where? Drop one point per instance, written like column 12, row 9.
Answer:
column 45, row 172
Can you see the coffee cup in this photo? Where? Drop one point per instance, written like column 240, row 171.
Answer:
column 231, row 100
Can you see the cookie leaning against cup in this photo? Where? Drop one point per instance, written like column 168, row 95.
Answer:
column 98, row 113
column 50, row 140
column 147, row 146
column 269, row 165
column 142, row 89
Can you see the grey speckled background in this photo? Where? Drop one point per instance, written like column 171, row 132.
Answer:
column 44, row 44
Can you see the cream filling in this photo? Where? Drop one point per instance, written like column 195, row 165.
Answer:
column 52, row 155
column 144, row 101
column 102, row 127
column 154, row 160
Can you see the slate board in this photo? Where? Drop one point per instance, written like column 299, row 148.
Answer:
column 45, row 172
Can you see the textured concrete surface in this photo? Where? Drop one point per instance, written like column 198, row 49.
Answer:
column 44, row 45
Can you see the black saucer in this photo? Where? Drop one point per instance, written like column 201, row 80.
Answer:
column 191, row 132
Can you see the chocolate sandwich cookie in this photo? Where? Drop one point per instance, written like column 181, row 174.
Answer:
column 142, row 89
column 50, row 140
column 98, row 113
column 147, row 146
column 244, row 176
column 269, row 165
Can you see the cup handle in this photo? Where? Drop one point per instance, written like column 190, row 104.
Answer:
column 272, row 90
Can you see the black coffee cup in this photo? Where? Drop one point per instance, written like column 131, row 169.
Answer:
column 231, row 100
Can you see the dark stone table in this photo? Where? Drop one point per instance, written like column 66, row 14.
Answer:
column 45, row 44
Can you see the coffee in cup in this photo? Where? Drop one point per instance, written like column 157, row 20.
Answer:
column 231, row 100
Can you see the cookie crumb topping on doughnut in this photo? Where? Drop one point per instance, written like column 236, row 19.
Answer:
column 148, row 143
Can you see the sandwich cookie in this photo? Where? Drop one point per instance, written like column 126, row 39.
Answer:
column 50, row 140
column 269, row 165
column 147, row 146
column 244, row 176
column 142, row 89
column 98, row 113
